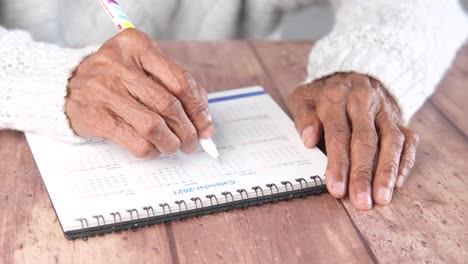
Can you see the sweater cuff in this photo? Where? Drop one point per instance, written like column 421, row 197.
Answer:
column 37, row 94
column 399, row 77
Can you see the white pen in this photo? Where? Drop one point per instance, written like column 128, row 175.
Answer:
column 209, row 147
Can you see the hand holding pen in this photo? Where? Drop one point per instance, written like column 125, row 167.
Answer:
column 131, row 93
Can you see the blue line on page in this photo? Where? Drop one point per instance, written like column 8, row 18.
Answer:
column 236, row 96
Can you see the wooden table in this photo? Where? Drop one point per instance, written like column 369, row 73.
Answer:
column 426, row 222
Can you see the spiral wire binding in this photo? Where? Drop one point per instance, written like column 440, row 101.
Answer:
column 257, row 198
column 303, row 188
column 164, row 205
column 256, row 188
column 286, row 183
column 211, row 196
column 226, row 194
column 300, row 181
column 196, row 200
column 271, row 185
column 99, row 217
column 115, row 219
column 321, row 185
column 147, row 209
column 180, row 217
column 130, row 211
column 241, row 191
column 82, row 226
column 181, row 202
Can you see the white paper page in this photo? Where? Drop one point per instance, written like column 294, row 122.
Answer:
column 257, row 141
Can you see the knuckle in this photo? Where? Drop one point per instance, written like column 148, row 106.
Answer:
column 408, row 161
column 303, row 114
column 189, row 141
column 97, row 89
column 171, row 106
column 338, row 134
column 412, row 137
column 198, row 110
column 364, row 91
column 363, row 174
column 342, row 162
column 97, row 83
column 142, row 150
column 186, row 83
column 363, row 103
column 151, row 126
column 367, row 137
column 129, row 35
column 395, row 137
column 297, row 96
column 183, row 89
column 103, row 57
column 172, row 148
column 190, row 136
column 339, row 137
column 138, row 40
column 300, row 92
column 375, row 83
column 334, row 93
column 391, row 171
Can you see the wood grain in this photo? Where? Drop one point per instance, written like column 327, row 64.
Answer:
column 218, row 66
column 451, row 96
column 300, row 231
column 426, row 221
column 284, row 62
column 31, row 233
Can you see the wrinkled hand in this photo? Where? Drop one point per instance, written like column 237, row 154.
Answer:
column 369, row 151
column 131, row 93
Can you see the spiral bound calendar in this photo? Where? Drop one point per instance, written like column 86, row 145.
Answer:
column 98, row 187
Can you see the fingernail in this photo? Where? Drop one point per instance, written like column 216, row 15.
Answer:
column 364, row 198
column 153, row 155
column 384, row 194
column 338, row 188
column 306, row 136
column 208, row 133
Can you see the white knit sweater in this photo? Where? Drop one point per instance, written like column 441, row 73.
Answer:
column 406, row 44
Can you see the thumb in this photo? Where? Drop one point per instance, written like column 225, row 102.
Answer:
column 306, row 120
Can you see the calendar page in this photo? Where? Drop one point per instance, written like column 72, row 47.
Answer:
column 257, row 141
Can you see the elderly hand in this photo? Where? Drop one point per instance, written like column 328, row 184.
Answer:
column 369, row 151
column 131, row 93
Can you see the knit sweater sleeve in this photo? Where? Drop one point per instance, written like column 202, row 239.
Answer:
column 33, row 84
column 406, row 45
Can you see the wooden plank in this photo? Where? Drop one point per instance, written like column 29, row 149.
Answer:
column 452, row 94
column 426, row 220
column 304, row 230
column 284, row 62
column 215, row 65
column 31, row 233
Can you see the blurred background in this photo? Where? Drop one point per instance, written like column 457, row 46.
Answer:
column 319, row 21
column 307, row 24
